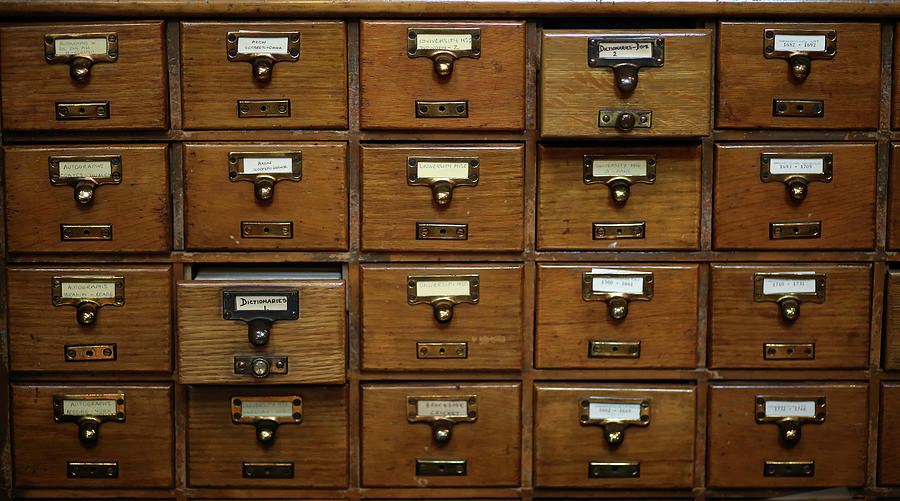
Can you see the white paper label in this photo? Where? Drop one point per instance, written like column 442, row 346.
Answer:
column 789, row 286
column 268, row 166
column 449, row 170
column 79, row 46
column 796, row 166
column 599, row 410
column 437, row 41
column 781, row 408
column 800, row 43
column 442, row 408
column 80, row 290
column 625, row 50
column 260, row 303
column 105, row 407
column 425, row 288
column 621, row 167
column 90, row 168
column 622, row 285
column 262, row 408
column 262, row 45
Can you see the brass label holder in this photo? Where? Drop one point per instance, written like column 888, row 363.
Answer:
column 789, row 289
column 266, row 413
column 88, row 411
column 80, row 51
column 617, row 288
column 619, row 172
column 626, row 55
column 451, row 349
column 87, row 294
column 82, row 111
column 789, row 413
column 443, row 46
column 262, row 50
column 93, row 469
column 796, row 170
column 90, row 352
column 442, row 412
column 261, row 366
column 625, row 120
column 442, row 292
column 85, row 173
column 264, row 169
column 442, row 175
column 271, row 469
column 625, row 469
column 614, row 415
column 799, row 48
column 260, row 309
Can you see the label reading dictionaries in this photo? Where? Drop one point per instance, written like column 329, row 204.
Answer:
column 85, row 168
column 619, row 167
column 265, row 408
column 78, row 290
column 437, row 41
column 783, row 408
column 260, row 303
column 624, row 50
column 601, row 410
column 79, row 46
column 616, row 284
column 425, row 288
column 104, row 407
column 262, row 45
column 800, row 43
column 442, row 408
column 268, row 166
column 450, row 170
column 797, row 166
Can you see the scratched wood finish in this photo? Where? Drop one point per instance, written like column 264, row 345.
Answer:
column 889, row 443
column 314, row 344
column 142, row 444
column 565, row 324
column 738, row 446
column 839, row 327
column 895, row 122
column 135, row 84
column 491, row 445
column 316, row 205
column 493, row 210
column 390, row 81
column 141, row 329
column 744, row 205
column 316, row 84
column 138, row 208
column 748, row 83
column 677, row 94
column 669, row 208
column 564, row 447
column 391, row 327
column 317, row 446
column 893, row 218
column 892, row 322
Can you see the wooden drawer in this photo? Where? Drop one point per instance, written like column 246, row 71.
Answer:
column 892, row 322
column 306, row 91
column 298, row 433
column 401, row 186
column 133, row 451
column 446, row 75
column 135, row 335
column 620, row 435
column 888, row 466
column 124, row 213
column 757, row 88
column 308, row 349
column 442, row 317
column 584, row 193
column 581, row 95
column 752, row 304
column 480, row 424
column 575, row 328
column 298, row 191
column 795, row 196
column 121, row 71
column 746, row 440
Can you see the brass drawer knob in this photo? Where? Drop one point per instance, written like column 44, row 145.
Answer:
column 620, row 190
column 262, row 68
column 618, row 307
column 88, row 430
column 87, row 312
column 265, row 431
column 80, row 68
column 626, row 77
column 790, row 308
column 443, row 64
column 443, row 311
column 800, row 66
column 625, row 121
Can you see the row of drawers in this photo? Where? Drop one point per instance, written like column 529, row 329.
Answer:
column 449, row 197
column 442, row 317
column 456, row 434
column 451, row 75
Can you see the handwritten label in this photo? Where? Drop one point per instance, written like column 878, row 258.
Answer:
column 104, row 407
column 265, row 408
column 789, row 286
column 786, row 408
column 800, row 43
column 612, row 283
column 797, row 166
column 442, row 408
column 78, row 290
column 449, row 170
column 619, row 167
column 426, row 288
column 79, row 46
column 625, row 50
column 601, row 410
column 260, row 303
column 262, row 45
column 268, row 166
column 436, row 41
column 87, row 168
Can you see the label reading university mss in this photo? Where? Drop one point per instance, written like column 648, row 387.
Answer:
column 86, row 168
column 625, row 50
column 425, row 288
column 79, row 46
column 268, row 166
column 436, row 41
column 614, row 284
column 442, row 408
column 260, row 408
column 600, row 410
column 78, row 290
column 797, row 166
column 616, row 168
column 779, row 408
column 800, row 43
column 105, row 407
column 260, row 303
column 450, row 170
column 262, row 45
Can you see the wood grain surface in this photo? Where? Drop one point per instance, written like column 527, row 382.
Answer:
column 889, row 445
column 315, row 344
column 893, row 216
column 137, row 208
column 391, row 82
column 316, row 85
column 892, row 322
column 135, row 84
column 677, row 94
column 316, row 205
column 141, row 329
column 747, row 82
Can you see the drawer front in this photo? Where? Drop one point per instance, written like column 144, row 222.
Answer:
column 298, row 433
column 888, row 468
column 442, row 317
column 417, row 198
column 795, row 196
column 137, row 446
column 86, row 82
column 582, row 95
column 749, row 444
column 581, row 324
column 308, row 349
column 296, row 190
column 584, row 193
column 892, row 322
column 306, row 91
column 581, row 431
column 111, row 198
column 479, row 423
column 83, row 328
column 786, row 324
column 835, row 84
column 442, row 75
